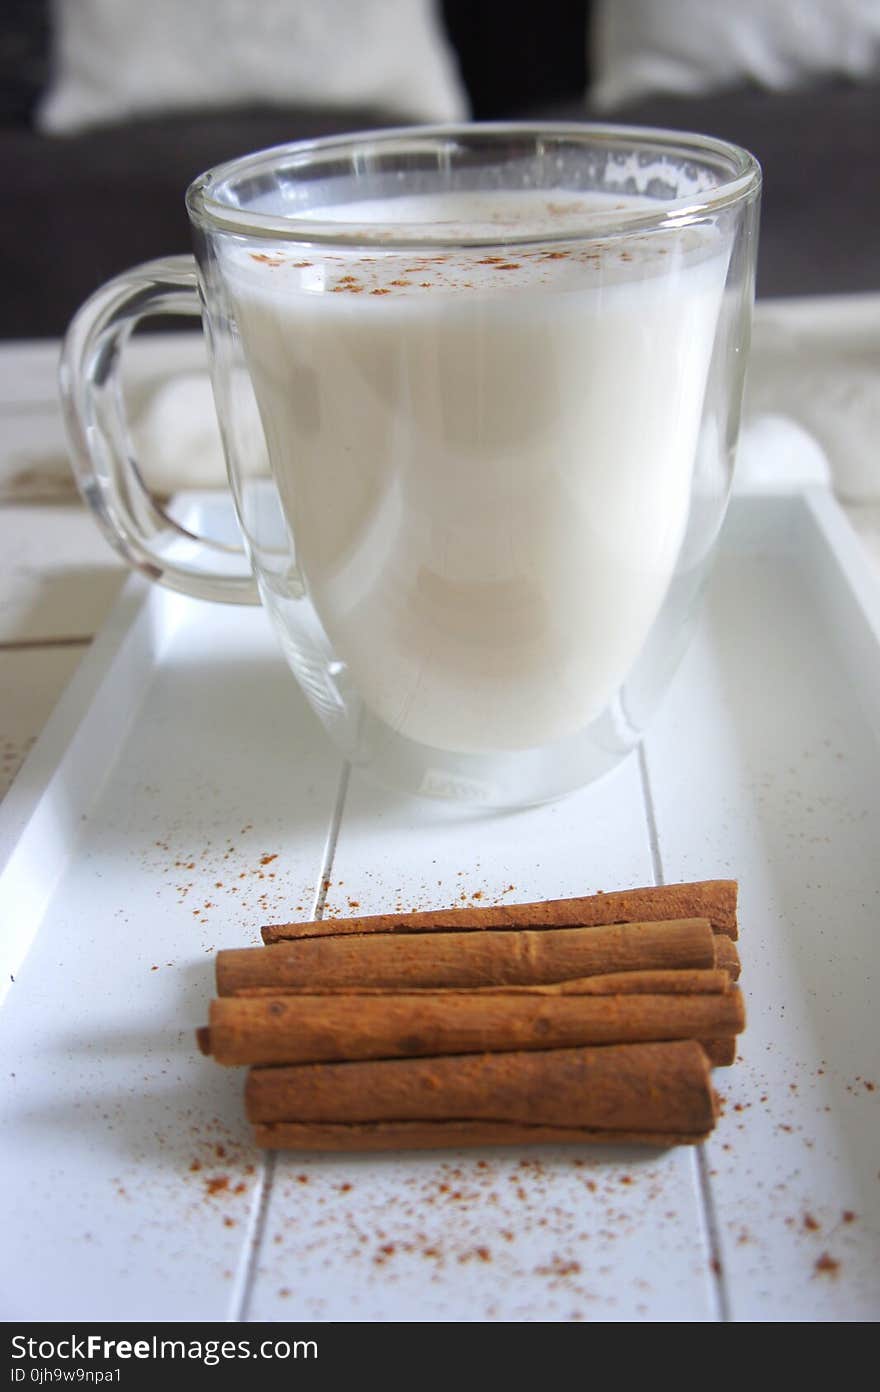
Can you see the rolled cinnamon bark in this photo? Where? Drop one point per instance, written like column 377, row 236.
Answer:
column 365, row 1136
column 662, row 982
column 502, row 957
column 726, row 956
column 712, row 899
column 721, row 1053
column 634, row 1089
column 314, row 1028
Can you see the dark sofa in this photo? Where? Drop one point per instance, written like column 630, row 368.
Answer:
column 80, row 208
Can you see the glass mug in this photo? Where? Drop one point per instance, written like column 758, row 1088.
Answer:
column 479, row 391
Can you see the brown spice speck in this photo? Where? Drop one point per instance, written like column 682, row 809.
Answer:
column 810, row 1223
column 216, row 1185
column 558, row 1267
column 826, row 1265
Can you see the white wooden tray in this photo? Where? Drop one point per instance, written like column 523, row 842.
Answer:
column 182, row 795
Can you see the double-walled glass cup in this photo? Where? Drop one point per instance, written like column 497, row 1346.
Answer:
column 479, row 391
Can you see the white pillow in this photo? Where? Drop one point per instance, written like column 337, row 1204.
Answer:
column 686, row 47
column 118, row 58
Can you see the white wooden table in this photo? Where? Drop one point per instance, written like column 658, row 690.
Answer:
column 735, row 1231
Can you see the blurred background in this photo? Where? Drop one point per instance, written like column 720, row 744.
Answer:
column 108, row 109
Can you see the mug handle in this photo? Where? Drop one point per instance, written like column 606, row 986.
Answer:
column 104, row 465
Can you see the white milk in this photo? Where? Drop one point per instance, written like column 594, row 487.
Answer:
column 485, row 459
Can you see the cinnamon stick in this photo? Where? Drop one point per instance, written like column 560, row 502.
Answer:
column 661, row 982
column 631, row 1090
column 712, row 899
column 312, row 1029
column 726, row 956
column 493, row 957
column 365, row 1136
column 721, row 1053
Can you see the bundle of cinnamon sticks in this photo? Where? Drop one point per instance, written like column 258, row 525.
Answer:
column 588, row 1019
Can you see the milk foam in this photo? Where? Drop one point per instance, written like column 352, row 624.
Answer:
column 485, row 458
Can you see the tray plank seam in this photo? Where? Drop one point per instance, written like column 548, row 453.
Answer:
column 241, row 1302
column 704, row 1183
